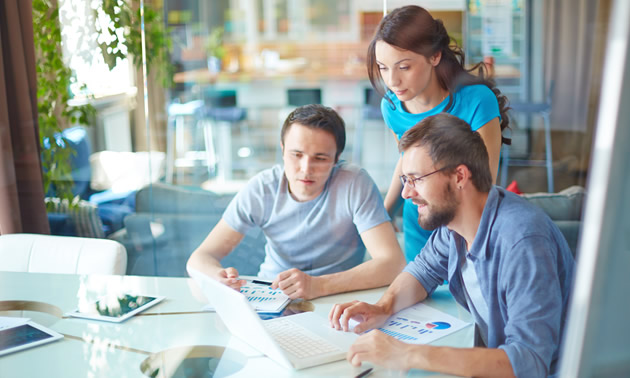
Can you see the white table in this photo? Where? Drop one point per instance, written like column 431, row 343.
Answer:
column 101, row 349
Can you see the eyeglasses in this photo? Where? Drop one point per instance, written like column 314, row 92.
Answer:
column 412, row 181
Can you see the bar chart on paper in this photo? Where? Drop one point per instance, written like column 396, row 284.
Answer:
column 421, row 324
column 265, row 299
column 262, row 298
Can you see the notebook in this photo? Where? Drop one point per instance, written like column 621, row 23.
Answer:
column 296, row 341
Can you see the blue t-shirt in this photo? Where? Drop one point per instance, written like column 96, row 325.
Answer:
column 525, row 270
column 319, row 236
column 475, row 104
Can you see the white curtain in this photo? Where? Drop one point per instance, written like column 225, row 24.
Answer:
column 574, row 36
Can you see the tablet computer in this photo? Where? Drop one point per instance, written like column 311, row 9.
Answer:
column 116, row 308
column 25, row 335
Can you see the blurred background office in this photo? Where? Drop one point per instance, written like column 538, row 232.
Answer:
column 171, row 110
column 240, row 65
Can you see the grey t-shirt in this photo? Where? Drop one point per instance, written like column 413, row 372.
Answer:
column 320, row 236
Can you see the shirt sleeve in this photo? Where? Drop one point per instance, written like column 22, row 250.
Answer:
column 533, row 296
column 485, row 106
column 366, row 203
column 430, row 267
column 246, row 210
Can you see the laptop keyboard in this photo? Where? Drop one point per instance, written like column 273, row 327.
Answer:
column 297, row 340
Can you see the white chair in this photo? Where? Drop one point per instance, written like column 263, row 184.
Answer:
column 61, row 254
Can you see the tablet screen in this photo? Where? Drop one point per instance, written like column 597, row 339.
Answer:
column 116, row 307
column 14, row 338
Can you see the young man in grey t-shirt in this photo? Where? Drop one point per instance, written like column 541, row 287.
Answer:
column 318, row 216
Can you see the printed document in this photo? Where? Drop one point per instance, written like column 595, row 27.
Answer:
column 421, row 324
column 262, row 298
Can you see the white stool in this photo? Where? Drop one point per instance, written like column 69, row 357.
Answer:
column 218, row 124
column 543, row 110
column 176, row 130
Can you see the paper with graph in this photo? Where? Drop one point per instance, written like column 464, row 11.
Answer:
column 262, row 298
column 421, row 324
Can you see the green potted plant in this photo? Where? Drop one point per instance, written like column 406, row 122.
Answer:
column 215, row 49
column 54, row 78
column 54, row 113
column 126, row 21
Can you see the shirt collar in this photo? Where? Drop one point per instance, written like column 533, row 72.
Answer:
column 479, row 249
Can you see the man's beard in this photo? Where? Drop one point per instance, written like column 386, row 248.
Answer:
column 440, row 214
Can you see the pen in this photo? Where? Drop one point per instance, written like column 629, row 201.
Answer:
column 261, row 282
column 365, row 373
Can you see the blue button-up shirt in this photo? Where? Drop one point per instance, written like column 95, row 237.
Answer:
column 525, row 270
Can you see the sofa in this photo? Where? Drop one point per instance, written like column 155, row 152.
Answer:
column 105, row 183
column 170, row 222
column 565, row 209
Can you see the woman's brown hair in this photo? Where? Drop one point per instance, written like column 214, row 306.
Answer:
column 413, row 28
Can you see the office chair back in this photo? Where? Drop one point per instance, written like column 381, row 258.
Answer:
column 61, row 254
column 303, row 96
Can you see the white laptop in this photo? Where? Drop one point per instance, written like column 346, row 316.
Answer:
column 296, row 341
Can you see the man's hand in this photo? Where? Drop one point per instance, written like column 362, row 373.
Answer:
column 297, row 284
column 380, row 349
column 229, row 277
column 369, row 316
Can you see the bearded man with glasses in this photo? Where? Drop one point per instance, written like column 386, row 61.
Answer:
column 506, row 263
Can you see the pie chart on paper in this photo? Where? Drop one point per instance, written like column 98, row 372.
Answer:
column 438, row 325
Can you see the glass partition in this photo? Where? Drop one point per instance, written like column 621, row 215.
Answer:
column 178, row 131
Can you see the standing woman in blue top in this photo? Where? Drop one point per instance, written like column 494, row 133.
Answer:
column 413, row 63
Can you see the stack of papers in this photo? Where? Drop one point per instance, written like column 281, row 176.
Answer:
column 262, row 298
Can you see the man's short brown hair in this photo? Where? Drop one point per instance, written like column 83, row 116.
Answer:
column 450, row 143
column 321, row 117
